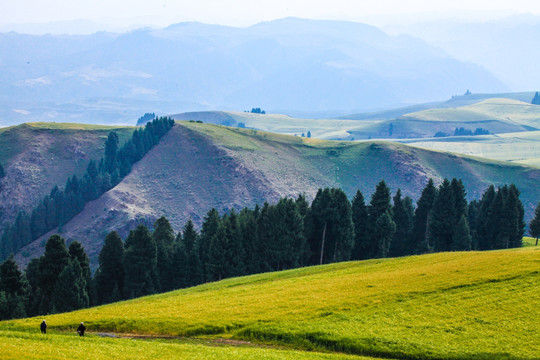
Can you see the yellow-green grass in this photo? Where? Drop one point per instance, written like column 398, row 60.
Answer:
column 504, row 110
column 529, row 241
column 473, row 305
column 522, row 147
column 59, row 346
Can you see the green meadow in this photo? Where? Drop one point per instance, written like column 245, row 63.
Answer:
column 473, row 305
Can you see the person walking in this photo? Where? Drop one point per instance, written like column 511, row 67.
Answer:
column 43, row 327
column 81, row 329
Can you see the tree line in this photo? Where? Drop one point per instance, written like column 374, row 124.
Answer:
column 61, row 205
column 289, row 234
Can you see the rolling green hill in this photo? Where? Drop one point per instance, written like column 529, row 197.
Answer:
column 522, row 147
column 38, row 156
column 440, row 306
column 497, row 115
column 199, row 166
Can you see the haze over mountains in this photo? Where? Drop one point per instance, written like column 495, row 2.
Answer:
column 284, row 65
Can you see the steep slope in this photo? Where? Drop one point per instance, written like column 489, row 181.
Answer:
column 455, row 306
column 199, row 166
column 38, row 156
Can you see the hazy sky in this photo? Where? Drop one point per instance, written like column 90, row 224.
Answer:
column 240, row 12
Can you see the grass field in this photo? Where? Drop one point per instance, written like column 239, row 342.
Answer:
column 441, row 306
column 522, row 147
column 504, row 110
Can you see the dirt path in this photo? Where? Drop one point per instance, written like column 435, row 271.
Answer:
column 205, row 341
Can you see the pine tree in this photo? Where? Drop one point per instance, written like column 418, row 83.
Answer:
column 178, row 268
column 472, row 217
column 15, row 290
column 331, row 227
column 286, row 243
column 237, row 265
column 190, row 241
column 208, row 231
column 33, row 277
column 403, row 218
column 534, row 225
column 383, row 232
column 53, row 262
column 441, row 219
column 250, row 238
column 76, row 251
column 70, row 289
column 461, row 237
column 511, row 226
column 485, row 222
column 140, row 264
column 379, row 208
column 163, row 236
column 460, row 199
column 111, row 269
column 361, row 225
column 220, row 252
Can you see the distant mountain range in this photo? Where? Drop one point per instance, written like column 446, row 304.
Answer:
column 292, row 64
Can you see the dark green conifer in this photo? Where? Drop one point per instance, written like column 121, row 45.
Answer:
column 208, row 230
column 534, row 225
column 441, row 218
column 140, row 263
column 383, row 232
column 461, row 237
column 220, row 252
column 403, row 218
column 111, row 269
column 76, row 251
column 70, row 289
column 190, row 241
column 361, row 226
column 53, row 262
column 378, row 210
column 484, row 232
column 163, row 236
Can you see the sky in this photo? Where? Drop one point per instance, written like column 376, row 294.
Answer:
column 131, row 13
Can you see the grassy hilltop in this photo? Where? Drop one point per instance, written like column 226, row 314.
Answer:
column 497, row 115
column 442, row 306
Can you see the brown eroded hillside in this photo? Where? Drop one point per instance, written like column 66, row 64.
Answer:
column 38, row 156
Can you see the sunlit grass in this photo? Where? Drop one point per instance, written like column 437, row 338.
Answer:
column 27, row 345
column 439, row 306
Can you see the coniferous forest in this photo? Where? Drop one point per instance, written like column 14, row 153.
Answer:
column 61, row 205
column 289, row 234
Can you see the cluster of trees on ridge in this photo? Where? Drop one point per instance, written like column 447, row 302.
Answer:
column 61, row 205
column 289, row 234
column 463, row 132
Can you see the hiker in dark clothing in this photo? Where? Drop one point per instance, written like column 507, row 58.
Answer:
column 43, row 327
column 80, row 329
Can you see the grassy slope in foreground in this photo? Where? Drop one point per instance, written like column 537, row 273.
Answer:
column 481, row 305
column 25, row 345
